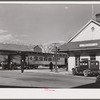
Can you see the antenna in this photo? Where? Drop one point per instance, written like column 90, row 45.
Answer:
column 92, row 11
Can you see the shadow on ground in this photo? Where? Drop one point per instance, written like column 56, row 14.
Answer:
column 91, row 85
column 5, row 86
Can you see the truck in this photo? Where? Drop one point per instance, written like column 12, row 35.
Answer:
column 86, row 67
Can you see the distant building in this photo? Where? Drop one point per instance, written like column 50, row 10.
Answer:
column 84, row 44
column 37, row 48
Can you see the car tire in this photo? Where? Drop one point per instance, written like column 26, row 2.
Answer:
column 73, row 72
column 85, row 72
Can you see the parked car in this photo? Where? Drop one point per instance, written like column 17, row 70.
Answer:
column 4, row 65
column 87, row 67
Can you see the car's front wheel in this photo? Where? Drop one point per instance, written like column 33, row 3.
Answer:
column 73, row 72
column 85, row 72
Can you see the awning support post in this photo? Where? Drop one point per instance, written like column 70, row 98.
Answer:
column 23, row 57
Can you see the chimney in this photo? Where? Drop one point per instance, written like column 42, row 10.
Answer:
column 98, row 17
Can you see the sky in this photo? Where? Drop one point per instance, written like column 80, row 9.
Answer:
column 43, row 23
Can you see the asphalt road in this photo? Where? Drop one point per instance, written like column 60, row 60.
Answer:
column 35, row 79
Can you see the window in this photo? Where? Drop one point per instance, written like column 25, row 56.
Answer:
column 77, row 60
column 96, row 63
column 92, row 57
column 41, row 58
column 53, row 58
column 49, row 59
column 30, row 57
column 45, row 59
column 35, row 58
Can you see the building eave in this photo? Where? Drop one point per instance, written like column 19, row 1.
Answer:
column 92, row 20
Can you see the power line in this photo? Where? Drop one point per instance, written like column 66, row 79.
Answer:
column 92, row 11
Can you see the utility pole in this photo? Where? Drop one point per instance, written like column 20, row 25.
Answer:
column 56, row 60
column 56, row 49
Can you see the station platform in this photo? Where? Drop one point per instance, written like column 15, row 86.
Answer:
column 41, row 70
column 47, row 70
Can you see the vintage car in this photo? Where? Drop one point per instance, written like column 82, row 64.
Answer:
column 86, row 67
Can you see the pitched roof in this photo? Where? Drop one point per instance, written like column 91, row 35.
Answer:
column 67, row 45
column 37, row 48
column 97, row 23
column 14, row 47
column 63, row 47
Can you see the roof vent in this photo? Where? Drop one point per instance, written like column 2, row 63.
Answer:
column 98, row 17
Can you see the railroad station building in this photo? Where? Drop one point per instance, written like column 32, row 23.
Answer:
column 85, row 44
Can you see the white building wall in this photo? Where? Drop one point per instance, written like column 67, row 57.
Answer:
column 83, row 57
column 71, row 63
column 98, row 58
column 88, row 33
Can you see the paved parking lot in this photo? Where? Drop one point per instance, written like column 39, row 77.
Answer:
column 42, row 78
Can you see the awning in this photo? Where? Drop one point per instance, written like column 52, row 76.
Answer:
column 82, row 45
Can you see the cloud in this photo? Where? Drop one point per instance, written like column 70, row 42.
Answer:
column 16, row 41
column 21, row 35
column 4, row 38
column 3, row 31
column 51, row 45
column 24, row 35
column 10, row 39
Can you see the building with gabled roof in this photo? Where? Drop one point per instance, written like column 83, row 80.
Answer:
column 19, row 48
column 84, row 44
column 37, row 48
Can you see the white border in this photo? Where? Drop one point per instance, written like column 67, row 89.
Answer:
column 49, row 2
column 42, row 94
column 24, row 93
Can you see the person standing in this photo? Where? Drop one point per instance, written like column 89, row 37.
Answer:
column 22, row 66
column 51, row 66
column 2, row 64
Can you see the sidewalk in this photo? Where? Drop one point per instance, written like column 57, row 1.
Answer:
column 46, row 70
column 42, row 69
